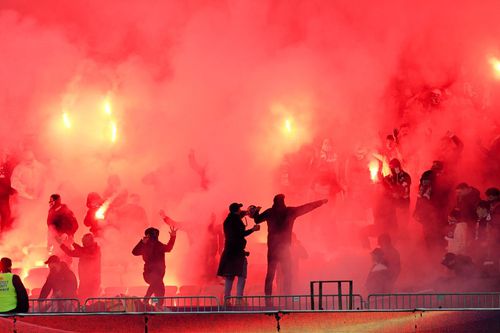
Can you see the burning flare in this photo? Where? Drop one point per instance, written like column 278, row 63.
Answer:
column 374, row 169
column 66, row 120
column 100, row 214
column 495, row 63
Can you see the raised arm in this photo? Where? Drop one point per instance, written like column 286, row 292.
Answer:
column 308, row 207
column 76, row 252
column 170, row 245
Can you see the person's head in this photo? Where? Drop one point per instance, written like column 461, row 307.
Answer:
column 235, row 208
column 449, row 260
column 435, row 96
column 279, row 200
column 493, row 194
column 54, row 200
column 483, row 209
column 326, row 146
column 54, row 263
column 88, row 240
column 454, row 216
column 5, row 265
column 427, row 178
column 462, row 189
column 28, row 157
column 377, row 256
column 395, row 166
column 151, row 233
column 437, row 167
column 390, row 142
column 384, row 240
column 94, row 200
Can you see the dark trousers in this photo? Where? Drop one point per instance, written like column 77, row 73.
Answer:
column 5, row 215
column 156, row 285
column 283, row 258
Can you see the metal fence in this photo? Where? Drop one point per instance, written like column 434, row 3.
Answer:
column 152, row 304
column 54, row 305
column 433, row 301
column 290, row 303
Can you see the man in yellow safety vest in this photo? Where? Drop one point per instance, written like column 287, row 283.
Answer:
column 13, row 295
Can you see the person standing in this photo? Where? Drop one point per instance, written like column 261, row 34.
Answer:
column 5, row 192
column 13, row 295
column 233, row 261
column 153, row 253
column 61, row 222
column 89, row 265
column 280, row 220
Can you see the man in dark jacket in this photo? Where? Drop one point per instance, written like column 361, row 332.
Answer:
column 153, row 253
column 233, row 261
column 468, row 198
column 89, row 266
column 61, row 222
column 61, row 280
column 13, row 295
column 280, row 219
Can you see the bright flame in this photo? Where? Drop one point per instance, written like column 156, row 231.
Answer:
column 373, row 166
column 66, row 120
column 107, row 107
column 495, row 63
column 101, row 212
column 114, row 131
column 288, row 125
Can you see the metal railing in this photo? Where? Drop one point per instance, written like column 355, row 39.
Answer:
column 340, row 294
column 152, row 304
column 289, row 303
column 46, row 305
column 406, row 301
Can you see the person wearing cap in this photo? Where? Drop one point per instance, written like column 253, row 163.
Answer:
column 89, row 265
column 233, row 261
column 13, row 295
column 153, row 253
column 280, row 219
column 61, row 281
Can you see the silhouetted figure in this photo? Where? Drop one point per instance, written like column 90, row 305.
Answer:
column 397, row 185
column 94, row 202
column 379, row 277
column 5, row 192
column 233, row 261
column 392, row 258
column 280, row 220
column 153, row 253
column 468, row 198
column 13, row 295
column 61, row 281
column 89, row 266
column 461, row 265
column 61, row 222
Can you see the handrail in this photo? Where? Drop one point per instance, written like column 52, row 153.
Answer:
column 152, row 304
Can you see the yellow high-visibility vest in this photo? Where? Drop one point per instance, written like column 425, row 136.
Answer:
column 8, row 296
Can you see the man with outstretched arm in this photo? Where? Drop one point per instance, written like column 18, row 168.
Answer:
column 280, row 219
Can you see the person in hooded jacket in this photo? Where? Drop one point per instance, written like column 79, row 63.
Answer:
column 62, row 226
column 280, row 220
column 153, row 253
column 94, row 202
column 89, row 265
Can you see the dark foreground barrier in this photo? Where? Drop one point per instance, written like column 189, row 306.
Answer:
column 356, row 321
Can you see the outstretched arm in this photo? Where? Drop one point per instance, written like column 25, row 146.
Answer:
column 304, row 209
column 259, row 218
